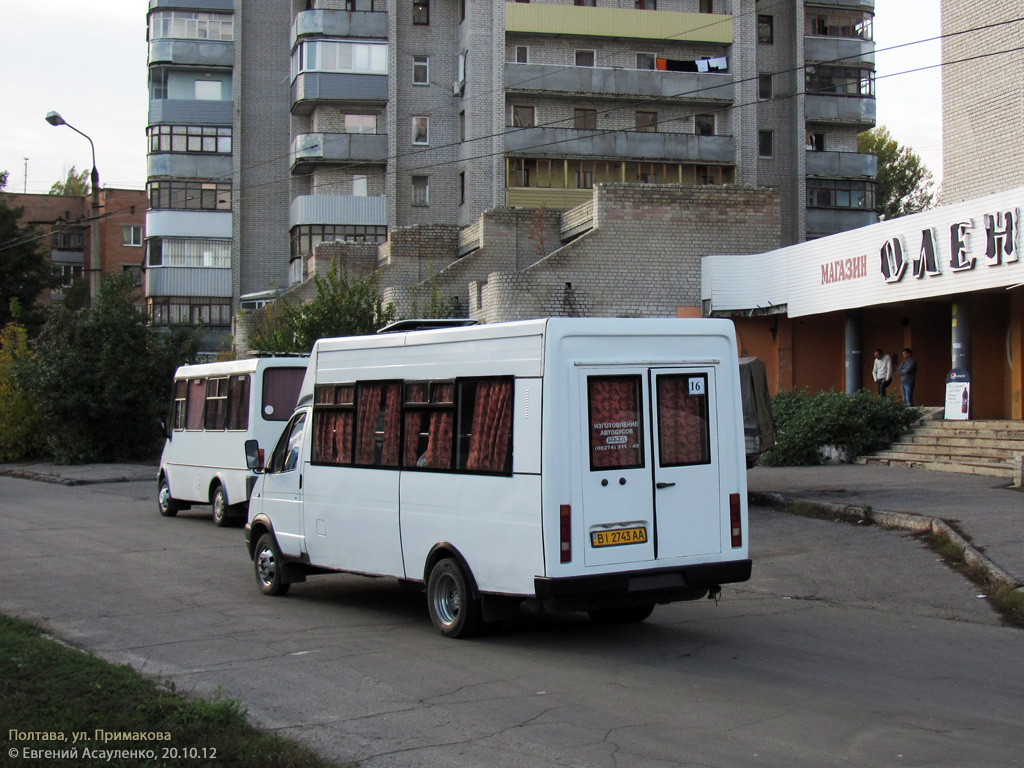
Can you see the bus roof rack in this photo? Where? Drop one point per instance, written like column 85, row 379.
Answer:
column 427, row 323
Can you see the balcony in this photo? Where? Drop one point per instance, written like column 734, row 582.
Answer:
column 199, row 224
column 578, row 21
column 338, row 209
column 335, row 23
column 867, row 5
column 310, row 88
column 204, row 53
column 311, row 148
column 190, row 112
column 621, row 145
column 841, row 165
column 847, row 50
column 192, row 5
column 189, row 281
column 829, row 221
column 853, row 111
column 628, row 83
column 181, row 165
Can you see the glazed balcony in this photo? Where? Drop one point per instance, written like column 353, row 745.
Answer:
column 710, row 87
column 334, row 23
column 309, row 149
column 192, row 5
column 190, row 112
column 203, row 53
column 830, row 221
column 312, row 88
column 338, row 209
column 185, row 165
column 841, row 165
column 848, row 50
column 853, row 111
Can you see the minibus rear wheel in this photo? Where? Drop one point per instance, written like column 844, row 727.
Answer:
column 168, row 506
column 450, row 600
column 219, row 502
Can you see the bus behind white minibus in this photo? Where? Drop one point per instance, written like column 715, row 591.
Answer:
column 215, row 408
column 590, row 465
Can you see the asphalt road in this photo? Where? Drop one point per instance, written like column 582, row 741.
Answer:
column 850, row 646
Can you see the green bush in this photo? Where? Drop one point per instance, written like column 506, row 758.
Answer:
column 858, row 424
column 21, row 434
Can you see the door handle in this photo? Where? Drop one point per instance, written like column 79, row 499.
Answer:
column 664, row 485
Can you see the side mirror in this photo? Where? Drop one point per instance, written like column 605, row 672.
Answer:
column 253, row 455
column 161, row 424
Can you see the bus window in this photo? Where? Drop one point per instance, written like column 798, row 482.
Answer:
column 429, row 424
column 216, row 403
column 286, row 454
column 194, row 406
column 334, row 417
column 683, row 420
column 238, row 402
column 616, row 426
column 485, row 425
column 379, row 423
column 178, row 416
column 280, row 392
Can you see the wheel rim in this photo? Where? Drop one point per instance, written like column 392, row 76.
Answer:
column 266, row 566
column 164, row 496
column 447, row 599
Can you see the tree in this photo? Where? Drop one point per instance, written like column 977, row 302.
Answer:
column 24, row 269
column 21, row 433
column 904, row 184
column 75, row 184
column 341, row 307
column 102, row 377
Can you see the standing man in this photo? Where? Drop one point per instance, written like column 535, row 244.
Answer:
column 908, row 375
column 881, row 371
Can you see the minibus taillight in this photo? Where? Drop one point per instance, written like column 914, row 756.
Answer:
column 565, row 532
column 735, row 523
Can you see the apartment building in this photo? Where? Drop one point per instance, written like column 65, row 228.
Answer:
column 277, row 126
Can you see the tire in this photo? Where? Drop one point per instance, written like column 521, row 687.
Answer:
column 221, row 510
column 165, row 502
column 630, row 614
column 267, row 564
column 450, row 600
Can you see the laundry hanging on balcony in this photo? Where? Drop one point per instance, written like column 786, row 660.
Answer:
column 716, row 64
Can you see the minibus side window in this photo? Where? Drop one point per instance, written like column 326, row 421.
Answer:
column 485, row 425
column 378, row 423
column 178, row 415
column 280, row 392
column 216, row 403
column 429, row 424
column 286, row 454
column 683, row 420
column 195, row 404
column 615, row 421
column 334, row 417
column 238, row 402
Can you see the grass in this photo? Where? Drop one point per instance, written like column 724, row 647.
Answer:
column 51, row 693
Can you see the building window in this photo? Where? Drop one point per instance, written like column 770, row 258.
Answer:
column 66, row 238
column 66, row 275
column 841, row 193
column 208, row 90
column 462, row 10
column 704, row 125
column 191, row 25
column 359, row 186
column 420, row 70
column 585, row 58
column 839, row 23
column 646, row 61
column 765, row 142
column 421, row 130
column 189, row 310
column 131, row 234
column 522, row 54
column 815, row 142
column 705, row 6
column 133, row 272
column 194, row 195
column 584, row 119
column 646, row 5
column 764, row 87
column 307, row 237
column 339, row 56
column 462, row 125
column 647, row 122
column 193, row 253
column 587, row 3
column 524, row 117
column 462, row 187
column 360, row 123
column 765, row 29
column 840, row 81
column 421, row 191
column 421, row 12
column 189, row 138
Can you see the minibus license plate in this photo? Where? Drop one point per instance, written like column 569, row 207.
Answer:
column 618, row 537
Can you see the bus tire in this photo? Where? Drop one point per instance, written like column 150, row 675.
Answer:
column 221, row 510
column 165, row 502
column 450, row 600
column 267, row 563
column 630, row 614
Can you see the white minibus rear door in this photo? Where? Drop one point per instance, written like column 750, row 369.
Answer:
column 688, row 503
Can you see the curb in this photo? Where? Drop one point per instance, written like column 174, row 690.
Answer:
column 39, row 477
column 904, row 521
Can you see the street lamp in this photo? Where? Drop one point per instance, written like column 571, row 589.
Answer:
column 95, row 264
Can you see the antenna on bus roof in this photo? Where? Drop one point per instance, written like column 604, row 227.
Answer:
column 425, row 324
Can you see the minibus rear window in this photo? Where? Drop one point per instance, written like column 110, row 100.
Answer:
column 280, row 392
column 683, row 420
column 616, row 423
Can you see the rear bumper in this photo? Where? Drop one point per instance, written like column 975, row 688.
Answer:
column 659, row 585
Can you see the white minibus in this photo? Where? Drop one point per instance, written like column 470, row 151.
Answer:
column 576, row 464
column 215, row 408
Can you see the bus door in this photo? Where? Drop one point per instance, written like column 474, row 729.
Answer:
column 282, row 486
column 651, row 485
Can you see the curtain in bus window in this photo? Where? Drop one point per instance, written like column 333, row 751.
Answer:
column 380, row 410
column 333, row 436
column 492, row 426
column 682, row 420
column 280, row 392
column 196, row 400
column 238, row 402
column 616, row 430
column 429, row 432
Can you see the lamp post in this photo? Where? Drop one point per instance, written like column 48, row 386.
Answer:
column 95, row 263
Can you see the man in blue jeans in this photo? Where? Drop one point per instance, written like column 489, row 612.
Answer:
column 908, row 374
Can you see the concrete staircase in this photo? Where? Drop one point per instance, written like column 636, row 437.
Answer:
column 994, row 448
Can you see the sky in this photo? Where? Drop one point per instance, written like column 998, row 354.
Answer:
column 93, row 72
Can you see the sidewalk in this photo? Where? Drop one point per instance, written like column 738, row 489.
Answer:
column 988, row 513
column 82, row 474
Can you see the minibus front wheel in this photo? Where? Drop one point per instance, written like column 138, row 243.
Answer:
column 168, row 506
column 267, row 562
column 453, row 609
